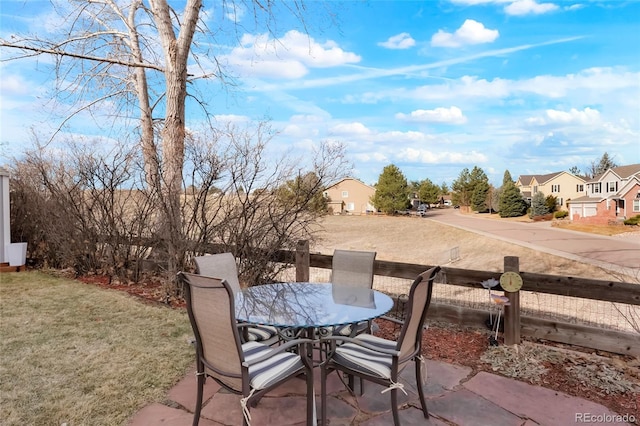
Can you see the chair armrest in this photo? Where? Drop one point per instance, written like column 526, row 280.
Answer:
column 392, row 319
column 281, row 348
column 359, row 342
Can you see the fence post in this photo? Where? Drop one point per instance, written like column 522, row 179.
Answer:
column 512, row 312
column 303, row 261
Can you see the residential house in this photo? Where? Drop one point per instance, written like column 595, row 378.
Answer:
column 350, row 196
column 612, row 196
column 562, row 185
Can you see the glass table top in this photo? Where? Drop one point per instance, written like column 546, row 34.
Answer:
column 309, row 304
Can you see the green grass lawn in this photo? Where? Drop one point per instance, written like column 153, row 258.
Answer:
column 78, row 354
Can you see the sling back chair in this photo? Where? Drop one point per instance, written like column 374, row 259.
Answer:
column 354, row 269
column 223, row 266
column 380, row 360
column 249, row 369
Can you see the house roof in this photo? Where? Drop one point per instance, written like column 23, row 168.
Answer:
column 584, row 199
column 542, row 179
column 623, row 172
column 348, row 178
column 525, row 180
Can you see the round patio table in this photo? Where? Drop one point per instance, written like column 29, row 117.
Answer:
column 306, row 305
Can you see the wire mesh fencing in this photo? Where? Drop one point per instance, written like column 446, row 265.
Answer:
column 572, row 310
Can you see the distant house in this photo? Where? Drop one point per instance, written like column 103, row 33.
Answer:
column 614, row 195
column 562, row 185
column 350, row 196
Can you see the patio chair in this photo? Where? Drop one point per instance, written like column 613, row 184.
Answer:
column 223, row 266
column 250, row 369
column 354, row 269
column 379, row 360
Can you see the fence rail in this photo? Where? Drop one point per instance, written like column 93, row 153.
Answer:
column 515, row 324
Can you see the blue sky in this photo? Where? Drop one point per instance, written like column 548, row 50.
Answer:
column 532, row 86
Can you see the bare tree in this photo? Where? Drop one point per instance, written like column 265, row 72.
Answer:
column 136, row 54
column 601, row 165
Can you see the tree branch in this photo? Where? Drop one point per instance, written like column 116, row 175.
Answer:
column 55, row 52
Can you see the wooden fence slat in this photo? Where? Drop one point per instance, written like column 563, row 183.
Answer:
column 582, row 335
column 573, row 334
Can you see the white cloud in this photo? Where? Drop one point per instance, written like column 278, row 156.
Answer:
column 371, row 157
column 235, row 11
column 288, row 57
column 429, row 157
column 589, row 84
column 477, row 2
column 587, row 116
column 574, row 7
column 516, row 7
column 299, row 131
column 400, row 41
column 306, row 118
column 232, row 118
column 526, row 7
column 347, row 129
column 451, row 115
column 471, row 32
column 13, row 85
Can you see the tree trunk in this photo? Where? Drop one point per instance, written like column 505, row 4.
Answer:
column 176, row 53
column 147, row 138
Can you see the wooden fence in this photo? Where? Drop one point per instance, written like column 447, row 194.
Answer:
column 515, row 325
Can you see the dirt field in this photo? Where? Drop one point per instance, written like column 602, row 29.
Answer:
column 415, row 240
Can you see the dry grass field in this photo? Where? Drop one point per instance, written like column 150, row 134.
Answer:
column 415, row 240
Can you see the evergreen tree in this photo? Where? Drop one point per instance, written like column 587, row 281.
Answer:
column 480, row 191
column 511, row 202
column 538, row 205
column 462, row 189
column 392, row 190
column 552, row 203
column 506, row 178
column 428, row 192
column 575, row 170
column 303, row 190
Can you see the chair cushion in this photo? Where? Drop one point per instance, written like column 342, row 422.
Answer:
column 361, row 359
column 345, row 330
column 259, row 333
column 269, row 371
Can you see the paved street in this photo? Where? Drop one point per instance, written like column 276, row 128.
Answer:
column 613, row 253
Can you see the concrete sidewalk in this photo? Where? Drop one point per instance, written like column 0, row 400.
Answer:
column 455, row 396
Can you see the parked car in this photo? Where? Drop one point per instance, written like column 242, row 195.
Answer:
column 422, row 209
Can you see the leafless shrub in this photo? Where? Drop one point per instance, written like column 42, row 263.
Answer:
column 92, row 210
column 251, row 205
column 630, row 313
column 81, row 209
